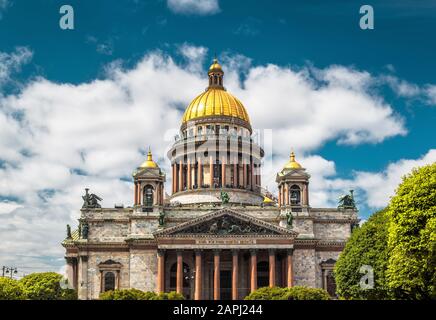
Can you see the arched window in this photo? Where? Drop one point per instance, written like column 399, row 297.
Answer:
column 109, row 281
column 262, row 274
column 295, row 195
column 148, row 196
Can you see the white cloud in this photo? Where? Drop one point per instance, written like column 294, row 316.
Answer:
column 12, row 62
column 198, row 7
column 69, row 137
column 380, row 186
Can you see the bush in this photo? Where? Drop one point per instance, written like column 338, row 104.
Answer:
column 135, row 294
column 10, row 289
column 411, row 272
column 368, row 245
column 45, row 286
column 293, row 293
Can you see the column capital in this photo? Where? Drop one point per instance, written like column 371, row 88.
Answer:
column 290, row 252
column 235, row 252
column 253, row 252
column 160, row 252
column 216, row 251
column 271, row 251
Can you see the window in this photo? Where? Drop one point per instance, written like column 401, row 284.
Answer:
column 148, row 196
column 200, row 131
column 295, row 195
column 109, row 281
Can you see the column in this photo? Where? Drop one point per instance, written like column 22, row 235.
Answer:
column 290, row 268
column 179, row 276
column 199, row 173
column 223, row 172
column 211, row 171
column 136, row 193
column 139, row 193
column 280, row 195
column 189, row 175
column 253, row 270
column 160, row 271
column 181, row 175
column 272, row 268
column 198, row 276
column 251, row 183
column 235, row 173
column 235, row 271
column 244, row 179
column 173, row 189
column 286, row 194
column 216, row 275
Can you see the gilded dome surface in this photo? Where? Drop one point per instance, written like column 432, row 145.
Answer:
column 215, row 102
column 149, row 163
column 292, row 164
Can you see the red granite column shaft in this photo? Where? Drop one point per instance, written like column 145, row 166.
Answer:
column 216, row 275
column 235, row 274
column 179, row 276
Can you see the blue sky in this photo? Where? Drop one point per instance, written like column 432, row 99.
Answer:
column 332, row 66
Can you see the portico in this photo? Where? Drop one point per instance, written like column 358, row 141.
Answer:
column 224, row 255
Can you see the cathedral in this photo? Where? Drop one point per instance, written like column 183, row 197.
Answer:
column 218, row 235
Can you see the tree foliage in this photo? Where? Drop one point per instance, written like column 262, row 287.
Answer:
column 45, row 286
column 135, row 294
column 10, row 289
column 293, row 293
column 412, row 236
column 366, row 246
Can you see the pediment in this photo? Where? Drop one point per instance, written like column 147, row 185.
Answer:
column 225, row 223
column 148, row 173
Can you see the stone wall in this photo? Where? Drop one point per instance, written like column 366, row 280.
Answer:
column 143, row 269
column 94, row 277
column 304, row 267
column 332, row 230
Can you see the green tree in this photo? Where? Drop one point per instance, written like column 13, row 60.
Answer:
column 366, row 246
column 45, row 286
column 412, row 236
column 293, row 293
column 10, row 289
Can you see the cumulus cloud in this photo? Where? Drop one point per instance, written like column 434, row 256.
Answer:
column 197, row 7
column 58, row 138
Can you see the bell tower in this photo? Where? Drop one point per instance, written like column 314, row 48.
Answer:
column 293, row 186
column 149, row 185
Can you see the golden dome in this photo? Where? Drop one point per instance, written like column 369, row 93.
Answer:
column 292, row 164
column 215, row 66
column 149, row 163
column 215, row 101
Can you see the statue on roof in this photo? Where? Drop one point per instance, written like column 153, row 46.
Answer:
column 347, row 201
column 69, row 232
column 224, row 196
column 90, row 200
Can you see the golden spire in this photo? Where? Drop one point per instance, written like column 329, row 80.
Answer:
column 149, row 163
column 292, row 164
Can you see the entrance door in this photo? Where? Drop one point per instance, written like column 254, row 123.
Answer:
column 226, row 284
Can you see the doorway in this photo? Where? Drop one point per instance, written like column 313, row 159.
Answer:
column 226, row 284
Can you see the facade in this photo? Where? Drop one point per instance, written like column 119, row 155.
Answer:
column 219, row 235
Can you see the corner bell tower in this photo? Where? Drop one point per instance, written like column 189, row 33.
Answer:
column 149, row 185
column 293, row 185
